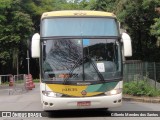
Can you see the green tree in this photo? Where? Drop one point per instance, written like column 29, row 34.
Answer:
column 137, row 17
column 15, row 26
column 155, row 28
column 103, row 5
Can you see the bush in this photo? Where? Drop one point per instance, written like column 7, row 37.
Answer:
column 140, row 88
column 36, row 80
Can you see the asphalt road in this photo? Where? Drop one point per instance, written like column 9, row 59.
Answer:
column 30, row 101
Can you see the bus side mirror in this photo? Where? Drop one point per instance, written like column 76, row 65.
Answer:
column 127, row 46
column 35, row 46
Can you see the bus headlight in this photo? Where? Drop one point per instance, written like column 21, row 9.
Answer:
column 51, row 94
column 114, row 92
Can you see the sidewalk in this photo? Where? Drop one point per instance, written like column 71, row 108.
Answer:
column 141, row 99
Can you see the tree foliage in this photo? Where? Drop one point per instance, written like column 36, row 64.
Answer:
column 137, row 18
column 103, row 5
column 15, row 27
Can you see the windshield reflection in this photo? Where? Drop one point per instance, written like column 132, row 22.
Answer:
column 81, row 59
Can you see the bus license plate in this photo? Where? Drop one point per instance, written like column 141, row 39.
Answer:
column 84, row 103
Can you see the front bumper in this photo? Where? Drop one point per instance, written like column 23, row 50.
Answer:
column 67, row 103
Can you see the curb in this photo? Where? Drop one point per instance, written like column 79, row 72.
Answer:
column 141, row 99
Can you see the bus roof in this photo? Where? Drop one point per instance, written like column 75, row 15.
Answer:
column 76, row 13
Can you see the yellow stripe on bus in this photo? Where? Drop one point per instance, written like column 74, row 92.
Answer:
column 71, row 90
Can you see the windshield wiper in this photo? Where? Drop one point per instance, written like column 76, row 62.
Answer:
column 80, row 61
column 96, row 69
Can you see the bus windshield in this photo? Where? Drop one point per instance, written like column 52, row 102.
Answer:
column 79, row 27
column 81, row 59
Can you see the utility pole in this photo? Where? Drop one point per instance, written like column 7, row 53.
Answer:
column 17, row 62
column 28, row 61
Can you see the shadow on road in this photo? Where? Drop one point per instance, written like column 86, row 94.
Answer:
column 78, row 113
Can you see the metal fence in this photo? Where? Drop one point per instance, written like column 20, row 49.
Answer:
column 10, row 84
column 19, row 84
column 139, row 70
column 4, row 79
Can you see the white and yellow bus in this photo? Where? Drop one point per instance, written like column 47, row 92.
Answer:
column 80, row 56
